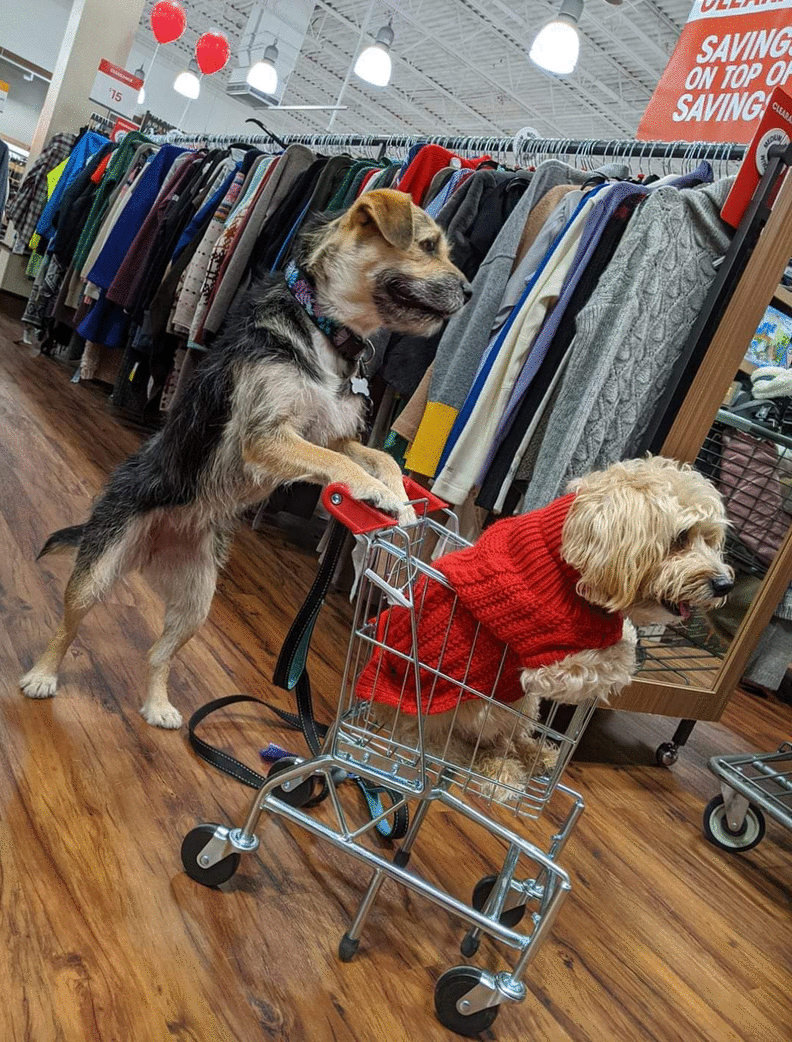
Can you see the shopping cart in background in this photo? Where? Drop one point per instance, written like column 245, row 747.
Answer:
column 752, row 785
column 519, row 902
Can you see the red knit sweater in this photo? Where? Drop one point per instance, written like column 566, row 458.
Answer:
column 511, row 588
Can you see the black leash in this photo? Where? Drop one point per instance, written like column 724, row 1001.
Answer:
column 291, row 674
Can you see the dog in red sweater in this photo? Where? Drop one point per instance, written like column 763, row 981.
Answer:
column 544, row 606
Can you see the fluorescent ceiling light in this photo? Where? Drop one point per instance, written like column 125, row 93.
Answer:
column 374, row 63
column 557, row 45
column 263, row 75
column 187, row 82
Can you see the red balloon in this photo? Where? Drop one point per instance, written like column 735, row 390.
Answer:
column 168, row 21
column 212, row 51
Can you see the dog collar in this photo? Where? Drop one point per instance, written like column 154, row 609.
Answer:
column 343, row 339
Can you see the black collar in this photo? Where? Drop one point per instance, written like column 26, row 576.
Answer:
column 347, row 343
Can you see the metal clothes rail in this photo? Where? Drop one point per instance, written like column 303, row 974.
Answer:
column 521, row 149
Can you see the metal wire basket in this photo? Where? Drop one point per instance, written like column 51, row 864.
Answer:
column 411, row 746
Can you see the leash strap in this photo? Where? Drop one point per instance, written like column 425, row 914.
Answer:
column 291, row 674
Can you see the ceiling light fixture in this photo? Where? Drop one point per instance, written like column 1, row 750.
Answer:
column 141, row 75
column 187, row 82
column 374, row 63
column 263, row 75
column 557, row 45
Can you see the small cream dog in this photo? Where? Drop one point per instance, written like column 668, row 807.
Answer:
column 645, row 540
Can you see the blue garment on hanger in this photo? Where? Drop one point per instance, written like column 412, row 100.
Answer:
column 294, row 229
column 88, row 145
column 105, row 323
column 132, row 217
column 208, row 208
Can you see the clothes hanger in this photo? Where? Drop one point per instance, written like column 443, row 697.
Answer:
column 269, row 133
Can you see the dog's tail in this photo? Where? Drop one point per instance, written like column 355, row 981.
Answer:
column 63, row 540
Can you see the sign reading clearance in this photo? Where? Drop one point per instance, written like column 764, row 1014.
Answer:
column 730, row 56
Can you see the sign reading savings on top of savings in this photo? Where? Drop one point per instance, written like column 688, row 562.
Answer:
column 730, row 56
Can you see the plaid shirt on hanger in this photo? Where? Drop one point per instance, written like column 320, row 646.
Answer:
column 30, row 200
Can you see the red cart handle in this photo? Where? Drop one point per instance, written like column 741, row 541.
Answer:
column 361, row 518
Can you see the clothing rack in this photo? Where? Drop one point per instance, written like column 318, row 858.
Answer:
column 521, row 149
column 747, row 279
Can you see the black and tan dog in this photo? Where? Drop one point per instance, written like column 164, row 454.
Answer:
column 272, row 404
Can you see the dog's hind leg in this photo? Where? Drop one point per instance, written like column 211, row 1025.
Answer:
column 186, row 576
column 42, row 680
column 94, row 574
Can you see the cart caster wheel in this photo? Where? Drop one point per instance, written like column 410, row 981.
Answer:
column 453, row 986
column 213, row 875
column 301, row 793
column 347, row 948
column 717, row 831
column 667, row 754
column 509, row 916
column 470, row 945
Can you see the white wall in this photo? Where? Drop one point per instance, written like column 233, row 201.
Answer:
column 34, row 29
column 23, row 104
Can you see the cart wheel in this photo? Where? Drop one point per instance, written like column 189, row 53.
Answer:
column 717, row 831
column 213, row 875
column 470, row 944
column 301, row 793
column 667, row 754
column 509, row 916
column 347, row 948
column 453, row 986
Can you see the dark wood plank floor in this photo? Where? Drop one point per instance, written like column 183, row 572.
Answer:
column 105, row 939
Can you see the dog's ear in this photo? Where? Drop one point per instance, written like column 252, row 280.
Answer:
column 390, row 212
column 613, row 536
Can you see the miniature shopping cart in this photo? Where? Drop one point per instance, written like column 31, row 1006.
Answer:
column 418, row 762
column 752, row 785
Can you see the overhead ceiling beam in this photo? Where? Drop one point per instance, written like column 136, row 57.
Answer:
column 484, row 120
column 582, row 97
column 360, row 96
column 591, row 15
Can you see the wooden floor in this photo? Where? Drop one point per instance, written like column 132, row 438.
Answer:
column 106, row 940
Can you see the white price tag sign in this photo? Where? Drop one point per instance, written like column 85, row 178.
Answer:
column 4, row 89
column 116, row 89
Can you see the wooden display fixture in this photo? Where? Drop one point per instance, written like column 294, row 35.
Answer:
column 708, row 692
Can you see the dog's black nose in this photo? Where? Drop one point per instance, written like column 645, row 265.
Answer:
column 467, row 290
column 721, row 585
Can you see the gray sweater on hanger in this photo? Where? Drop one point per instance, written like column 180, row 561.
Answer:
column 468, row 332
column 630, row 334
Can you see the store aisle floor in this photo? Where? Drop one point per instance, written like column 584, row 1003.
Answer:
column 104, row 937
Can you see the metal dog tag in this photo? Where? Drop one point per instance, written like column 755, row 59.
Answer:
column 360, row 386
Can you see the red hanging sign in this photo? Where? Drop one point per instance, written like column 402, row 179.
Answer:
column 212, row 52
column 168, row 21
column 730, row 56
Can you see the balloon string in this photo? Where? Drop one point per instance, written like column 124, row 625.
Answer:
column 153, row 59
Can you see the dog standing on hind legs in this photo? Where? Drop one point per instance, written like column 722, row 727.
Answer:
column 273, row 403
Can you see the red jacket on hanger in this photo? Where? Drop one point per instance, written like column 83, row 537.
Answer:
column 430, row 159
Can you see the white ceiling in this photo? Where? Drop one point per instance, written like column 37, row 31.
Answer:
column 461, row 66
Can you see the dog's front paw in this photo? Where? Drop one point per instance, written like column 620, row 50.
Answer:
column 407, row 515
column 36, row 684
column 381, row 497
column 161, row 714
